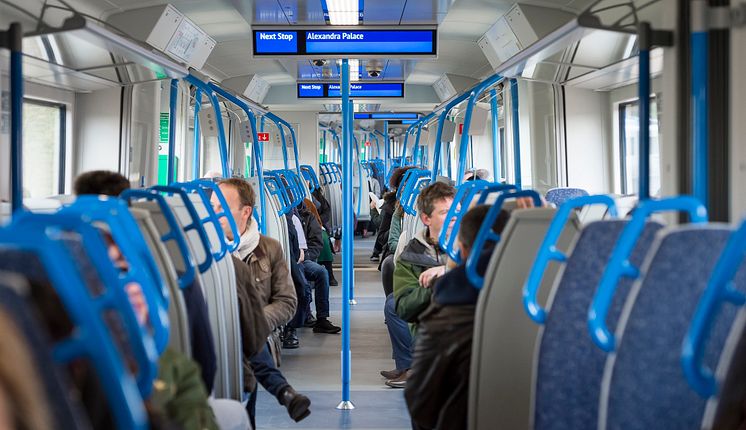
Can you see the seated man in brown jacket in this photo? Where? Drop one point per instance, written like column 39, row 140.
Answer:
column 269, row 276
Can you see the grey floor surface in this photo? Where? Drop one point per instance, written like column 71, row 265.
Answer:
column 315, row 369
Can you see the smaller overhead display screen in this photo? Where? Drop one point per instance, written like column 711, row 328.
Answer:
column 354, row 43
column 357, row 90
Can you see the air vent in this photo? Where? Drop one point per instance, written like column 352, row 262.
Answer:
column 251, row 86
column 168, row 30
column 520, row 27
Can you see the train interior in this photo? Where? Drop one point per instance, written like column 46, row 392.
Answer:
column 607, row 133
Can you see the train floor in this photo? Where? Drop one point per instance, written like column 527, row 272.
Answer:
column 314, row 368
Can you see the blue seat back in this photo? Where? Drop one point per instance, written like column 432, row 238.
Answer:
column 570, row 366
column 646, row 375
column 65, row 410
column 103, row 330
column 557, row 196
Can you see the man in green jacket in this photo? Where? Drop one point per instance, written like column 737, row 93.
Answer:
column 422, row 260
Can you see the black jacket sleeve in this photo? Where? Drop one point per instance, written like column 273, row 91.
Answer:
column 312, row 230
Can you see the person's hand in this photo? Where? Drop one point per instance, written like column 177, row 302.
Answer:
column 372, row 204
column 524, row 202
column 137, row 300
column 428, row 276
column 302, row 256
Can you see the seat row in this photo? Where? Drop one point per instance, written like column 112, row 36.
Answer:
column 611, row 323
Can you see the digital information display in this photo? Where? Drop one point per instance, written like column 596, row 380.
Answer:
column 355, row 43
column 357, row 90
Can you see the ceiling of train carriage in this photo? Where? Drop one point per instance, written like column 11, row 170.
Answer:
column 460, row 24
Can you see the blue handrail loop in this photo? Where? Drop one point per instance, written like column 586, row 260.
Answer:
column 310, row 175
column 174, row 233
column 548, row 251
column 619, row 265
column 211, row 218
column 92, row 339
column 719, row 290
column 113, row 295
column 462, row 201
column 225, row 213
column 486, row 233
column 196, row 223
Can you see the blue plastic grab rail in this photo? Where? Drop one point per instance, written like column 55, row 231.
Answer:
column 410, row 199
column 224, row 213
column 174, row 233
column 196, row 224
column 92, row 339
column 310, row 175
column 486, row 233
column 142, row 267
column 619, row 265
column 114, row 296
column 548, row 251
column 211, row 218
column 465, row 194
column 719, row 290
column 274, row 185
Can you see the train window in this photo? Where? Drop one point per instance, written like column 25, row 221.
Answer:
column 629, row 130
column 43, row 148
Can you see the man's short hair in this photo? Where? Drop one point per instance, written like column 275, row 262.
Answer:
column 245, row 191
column 433, row 193
column 472, row 222
column 101, row 182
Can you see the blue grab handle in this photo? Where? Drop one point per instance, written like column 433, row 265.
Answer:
column 143, row 344
column 92, row 340
column 459, row 207
column 619, row 265
column 548, row 251
column 719, row 290
column 310, row 175
column 212, row 218
column 142, row 268
column 225, row 213
column 187, row 278
column 195, row 225
column 276, row 189
column 486, row 233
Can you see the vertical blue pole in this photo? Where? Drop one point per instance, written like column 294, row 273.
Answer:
column 351, row 127
column 172, row 98
column 197, row 133
column 15, row 37
column 464, row 146
column 438, row 143
column 295, row 150
column 223, row 147
column 495, row 136
column 700, row 99
column 257, row 160
column 644, row 120
column 326, row 157
column 416, row 154
column 404, row 148
column 347, row 234
column 516, row 132
column 386, row 148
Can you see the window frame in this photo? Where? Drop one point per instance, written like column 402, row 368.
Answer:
column 62, row 138
column 622, row 135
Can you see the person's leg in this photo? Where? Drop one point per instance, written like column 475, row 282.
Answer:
column 318, row 277
column 401, row 338
column 275, row 383
column 387, row 274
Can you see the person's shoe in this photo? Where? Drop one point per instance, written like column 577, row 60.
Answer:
column 324, row 326
column 333, row 283
column 374, row 258
column 392, row 374
column 290, row 340
column 399, row 382
column 297, row 404
column 310, row 321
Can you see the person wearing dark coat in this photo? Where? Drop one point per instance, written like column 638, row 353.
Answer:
column 437, row 389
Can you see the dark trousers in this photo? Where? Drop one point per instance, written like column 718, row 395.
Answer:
column 318, row 280
column 269, row 376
